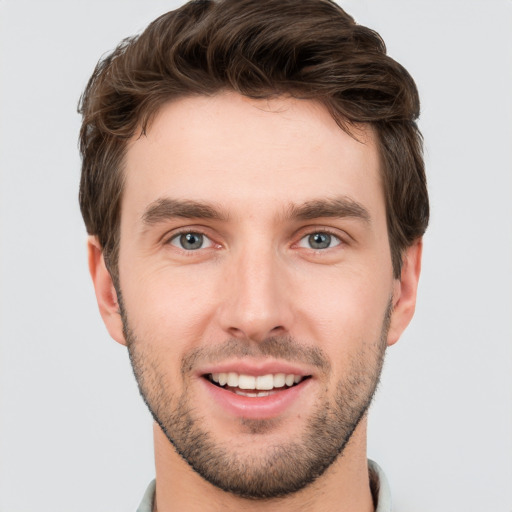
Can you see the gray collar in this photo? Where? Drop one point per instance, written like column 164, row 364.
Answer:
column 380, row 488
column 378, row 484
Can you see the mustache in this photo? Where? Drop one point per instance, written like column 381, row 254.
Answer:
column 278, row 347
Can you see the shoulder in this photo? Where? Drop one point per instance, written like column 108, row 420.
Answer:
column 380, row 487
column 146, row 505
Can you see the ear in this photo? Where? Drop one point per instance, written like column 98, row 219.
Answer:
column 404, row 292
column 106, row 295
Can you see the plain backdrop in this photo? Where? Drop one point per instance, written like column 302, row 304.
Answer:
column 74, row 434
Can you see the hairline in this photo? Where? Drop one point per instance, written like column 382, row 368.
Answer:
column 344, row 124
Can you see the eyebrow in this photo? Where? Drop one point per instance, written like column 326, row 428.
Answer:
column 335, row 207
column 167, row 208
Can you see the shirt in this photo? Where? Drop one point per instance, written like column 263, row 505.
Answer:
column 378, row 484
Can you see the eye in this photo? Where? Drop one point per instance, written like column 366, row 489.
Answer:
column 191, row 241
column 319, row 240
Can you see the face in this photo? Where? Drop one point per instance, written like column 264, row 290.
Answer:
column 256, row 285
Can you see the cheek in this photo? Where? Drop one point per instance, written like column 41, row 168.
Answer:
column 170, row 305
column 345, row 309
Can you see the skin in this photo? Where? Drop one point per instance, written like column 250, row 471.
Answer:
column 256, row 277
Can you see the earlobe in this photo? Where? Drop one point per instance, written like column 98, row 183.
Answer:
column 106, row 295
column 404, row 293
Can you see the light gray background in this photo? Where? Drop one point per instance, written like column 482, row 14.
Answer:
column 74, row 434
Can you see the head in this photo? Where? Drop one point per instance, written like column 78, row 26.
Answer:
column 260, row 50
column 253, row 182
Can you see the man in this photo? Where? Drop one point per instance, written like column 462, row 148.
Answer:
column 254, row 192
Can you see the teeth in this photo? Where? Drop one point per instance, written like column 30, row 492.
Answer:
column 265, row 382
column 233, row 379
column 253, row 394
column 246, row 382
column 262, row 382
column 280, row 380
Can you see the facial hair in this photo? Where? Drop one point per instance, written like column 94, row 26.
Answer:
column 282, row 469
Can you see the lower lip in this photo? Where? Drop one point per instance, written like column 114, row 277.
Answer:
column 258, row 407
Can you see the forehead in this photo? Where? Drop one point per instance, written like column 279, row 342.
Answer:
column 243, row 153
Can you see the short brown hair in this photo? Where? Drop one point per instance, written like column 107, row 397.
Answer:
column 309, row 49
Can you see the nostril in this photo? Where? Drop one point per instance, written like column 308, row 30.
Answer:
column 256, row 335
column 235, row 332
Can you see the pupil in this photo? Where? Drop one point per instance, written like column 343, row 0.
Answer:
column 320, row 240
column 191, row 241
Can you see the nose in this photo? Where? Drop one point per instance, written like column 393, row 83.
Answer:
column 255, row 302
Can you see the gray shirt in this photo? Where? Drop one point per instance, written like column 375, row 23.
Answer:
column 378, row 483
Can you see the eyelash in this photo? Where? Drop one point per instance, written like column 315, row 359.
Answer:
column 322, row 231
column 178, row 234
column 304, row 235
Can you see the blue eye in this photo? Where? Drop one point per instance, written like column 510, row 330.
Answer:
column 319, row 240
column 191, row 241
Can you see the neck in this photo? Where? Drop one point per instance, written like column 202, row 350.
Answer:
column 344, row 487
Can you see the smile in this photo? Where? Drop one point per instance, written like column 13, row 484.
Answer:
column 255, row 386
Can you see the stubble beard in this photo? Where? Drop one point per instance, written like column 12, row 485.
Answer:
column 282, row 469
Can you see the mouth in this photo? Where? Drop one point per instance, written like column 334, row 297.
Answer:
column 255, row 386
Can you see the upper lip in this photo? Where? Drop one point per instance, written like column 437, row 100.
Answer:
column 254, row 367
